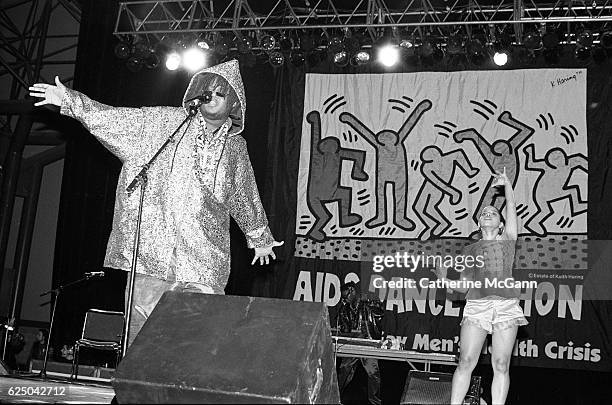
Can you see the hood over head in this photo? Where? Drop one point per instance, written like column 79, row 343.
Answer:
column 231, row 73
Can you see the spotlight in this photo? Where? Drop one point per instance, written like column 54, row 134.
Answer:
column 360, row 58
column 203, row 44
column 194, row 59
column 606, row 40
column 173, row 61
column 335, row 44
column 585, row 39
column 341, row 59
column 406, row 43
column 276, row 59
column 533, row 40
column 582, row 53
column 123, row 50
column 454, row 45
column 388, row 55
column 134, row 64
column 151, row 61
column 268, row 43
column 500, row 58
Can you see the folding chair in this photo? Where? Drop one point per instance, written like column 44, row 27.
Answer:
column 102, row 330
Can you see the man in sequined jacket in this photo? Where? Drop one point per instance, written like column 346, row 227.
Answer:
column 193, row 187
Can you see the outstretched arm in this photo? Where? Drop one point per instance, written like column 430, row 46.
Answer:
column 245, row 205
column 531, row 162
column 314, row 119
column 511, row 225
column 523, row 131
column 358, row 126
column 358, row 158
column 418, row 112
column 578, row 162
column 119, row 129
column 484, row 148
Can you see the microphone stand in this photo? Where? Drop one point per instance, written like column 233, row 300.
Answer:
column 55, row 296
column 141, row 179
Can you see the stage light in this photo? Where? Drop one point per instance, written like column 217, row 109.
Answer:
column 134, row 64
column 533, row 40
column 582, row 53
column 173, row 61
column 360, row 58
column 276, row 59
column 203, row 44
column 123, row 50
column 151, row 61
column 606, row 40
column 500, row 58
column 341, row 59
column 268, row 43
column 454, row 46
column 335, row 44
column 194, row 59
column 585, row 39
column 388, row 55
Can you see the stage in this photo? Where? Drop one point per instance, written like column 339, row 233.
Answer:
column 17, row 389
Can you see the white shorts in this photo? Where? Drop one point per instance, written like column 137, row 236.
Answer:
column 493, row 314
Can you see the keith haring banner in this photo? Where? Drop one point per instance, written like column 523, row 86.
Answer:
column 411, row 155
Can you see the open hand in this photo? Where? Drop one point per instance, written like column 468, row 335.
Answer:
column 264, row 253
column 50, row 94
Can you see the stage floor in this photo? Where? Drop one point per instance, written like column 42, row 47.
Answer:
column 14, row 389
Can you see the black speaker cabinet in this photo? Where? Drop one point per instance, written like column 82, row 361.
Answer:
column 424, row 387
column 201, row 348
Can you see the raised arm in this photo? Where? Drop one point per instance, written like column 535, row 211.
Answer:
column 523, row 131
column 245, row 205
column 358, row 126
column 531, row 163
column 119, row 129
column 484, row 148
column 511, row 225
column 418, row 112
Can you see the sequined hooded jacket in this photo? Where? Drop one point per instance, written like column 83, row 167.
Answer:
column 192, row 189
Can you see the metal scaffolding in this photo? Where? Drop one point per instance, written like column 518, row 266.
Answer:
column 157, row 20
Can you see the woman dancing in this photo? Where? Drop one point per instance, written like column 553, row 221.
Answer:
column 490, row 309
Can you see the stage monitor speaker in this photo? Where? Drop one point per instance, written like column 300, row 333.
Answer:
column 4, row 370
column 423, row 387
column 202, row 348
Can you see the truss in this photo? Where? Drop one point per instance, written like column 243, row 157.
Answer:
column 157, row 20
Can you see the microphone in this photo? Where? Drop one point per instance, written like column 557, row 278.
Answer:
column 204, row 98
column 94, row 274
